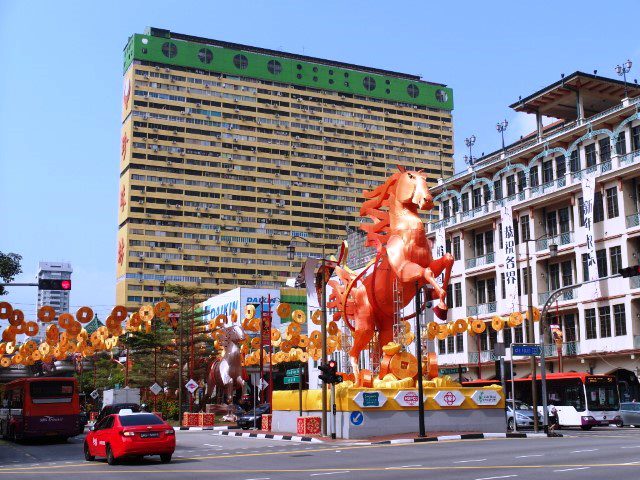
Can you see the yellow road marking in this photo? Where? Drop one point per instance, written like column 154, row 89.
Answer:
column 352, row 469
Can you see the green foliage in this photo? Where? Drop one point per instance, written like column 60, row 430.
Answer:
column 9, row 268
column 106, row 374
column 167, row 406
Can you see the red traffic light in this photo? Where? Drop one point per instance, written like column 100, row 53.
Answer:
column 332, row 364
column 53, row 284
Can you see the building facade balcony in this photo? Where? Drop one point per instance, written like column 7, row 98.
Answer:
column 483, row 356
column 482, row 309
column 633, row 220
column 634, row 282
column 564, row 297
column 568, row 349
column 487, row 259
column 560, row 240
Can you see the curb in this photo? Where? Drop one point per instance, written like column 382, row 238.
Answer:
column 464, row 436
column 199, row 429
column 270, row 436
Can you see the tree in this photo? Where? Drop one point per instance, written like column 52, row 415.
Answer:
column 9, row 268
column 192, row 343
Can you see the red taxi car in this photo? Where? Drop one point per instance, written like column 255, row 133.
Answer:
column 130, row 435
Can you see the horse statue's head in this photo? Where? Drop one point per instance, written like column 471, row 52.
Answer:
column 411, row 188
column 408, row 187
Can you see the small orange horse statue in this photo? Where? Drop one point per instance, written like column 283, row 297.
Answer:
column 366, row 301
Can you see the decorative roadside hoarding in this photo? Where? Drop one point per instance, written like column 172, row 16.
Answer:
column 592, row 290
column 407, row 398
column 238, row 298
column 449, row 398
column 486, row 398
column 511, row 303
column 372, row 399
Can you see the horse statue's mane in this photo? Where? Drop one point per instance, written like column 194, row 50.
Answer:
column 378, row 231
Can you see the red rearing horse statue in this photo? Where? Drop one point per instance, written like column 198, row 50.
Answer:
column 366, row 301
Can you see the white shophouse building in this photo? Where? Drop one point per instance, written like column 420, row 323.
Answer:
column 541, row 183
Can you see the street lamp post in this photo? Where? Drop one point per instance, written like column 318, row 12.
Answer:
column 543, row 324
column 291, row 252
column 421, row 426
column 553, row 251
column 470, row 142
column 622, row 70
column 501, row 127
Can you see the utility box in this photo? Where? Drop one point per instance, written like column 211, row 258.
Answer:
column 121, row 395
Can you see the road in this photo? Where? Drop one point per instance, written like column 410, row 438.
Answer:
column 606, row 453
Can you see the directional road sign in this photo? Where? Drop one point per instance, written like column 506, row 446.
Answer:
column 95, row 394
column 293, row 371
column 525, row 350
column 290, row 380
column 155, row 389
column 191, row 386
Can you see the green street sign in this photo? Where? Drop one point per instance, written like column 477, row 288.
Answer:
column 452, row 370
column 293, row 371
column 290, row 380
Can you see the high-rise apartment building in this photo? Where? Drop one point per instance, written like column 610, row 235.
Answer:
column 229, row 150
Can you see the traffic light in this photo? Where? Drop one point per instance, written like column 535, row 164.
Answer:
column 330, row 373
column 630, row 271
column 52, row 284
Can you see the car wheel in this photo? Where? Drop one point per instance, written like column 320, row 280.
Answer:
column 111, row 459
column 510, row 424
column 165, row 458
column 586, row 427
column 620, row 424
column 244, row 428
column 87, row 453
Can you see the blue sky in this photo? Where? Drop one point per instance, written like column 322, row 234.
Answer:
column 61, row 78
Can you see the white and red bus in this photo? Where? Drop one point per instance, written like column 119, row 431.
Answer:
column 40, row 407
column 582, row 400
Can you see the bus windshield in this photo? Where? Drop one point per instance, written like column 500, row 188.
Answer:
column 602, row 397
column 59, row 391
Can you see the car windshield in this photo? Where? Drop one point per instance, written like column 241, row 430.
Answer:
column 260, row 409
column 602, row 397
column 140, row 419
column 519, row 405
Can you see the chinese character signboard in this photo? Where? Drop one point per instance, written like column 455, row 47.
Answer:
column 510, row 260
column 588, row 194
column 439, row 249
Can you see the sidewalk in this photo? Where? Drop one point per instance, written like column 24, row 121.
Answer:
column 380, row 440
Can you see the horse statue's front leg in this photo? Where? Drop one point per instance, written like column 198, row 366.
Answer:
column 433, row 271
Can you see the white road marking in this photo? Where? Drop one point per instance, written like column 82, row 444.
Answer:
column 571, row 469
column 209, row 445
column 630, row 463
column 261, row 478
column 329, row 473
column 491, row 478
column 402, row 466
column 632, row 446
column 527, row 456
column 581, row 451
column 338, row 451
column 467, row 461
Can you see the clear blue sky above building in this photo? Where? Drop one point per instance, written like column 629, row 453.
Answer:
column 61, row 81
